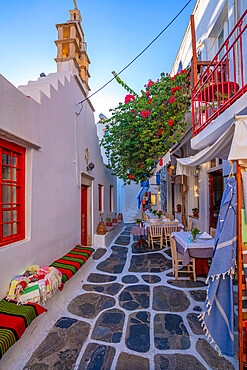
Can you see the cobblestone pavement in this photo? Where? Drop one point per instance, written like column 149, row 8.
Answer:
column 130, row 314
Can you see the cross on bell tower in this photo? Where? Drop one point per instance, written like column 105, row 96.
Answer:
column 72, row 49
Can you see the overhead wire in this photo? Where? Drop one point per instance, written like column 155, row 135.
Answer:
column 133, row 60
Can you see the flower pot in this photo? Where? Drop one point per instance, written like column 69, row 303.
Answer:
column 114, row 220
column 108, row 224
column 101, row 229
column 120, row 216
column 195, row 214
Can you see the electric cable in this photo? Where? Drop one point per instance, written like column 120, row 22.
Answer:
column 133, row 60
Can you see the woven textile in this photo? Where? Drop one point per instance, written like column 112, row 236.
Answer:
column 14, row 320
column 217, row 314
column 69, row 264
column 244, row 278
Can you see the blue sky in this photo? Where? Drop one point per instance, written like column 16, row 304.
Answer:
column 115, row 31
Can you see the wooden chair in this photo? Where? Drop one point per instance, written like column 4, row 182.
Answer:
column 155, row 233
column 178, row 257
column 169, row 228
column 212, row 232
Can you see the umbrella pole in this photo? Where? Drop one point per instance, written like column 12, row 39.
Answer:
column 239, row 268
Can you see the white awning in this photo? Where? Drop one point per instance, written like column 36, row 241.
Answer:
column 166, row 159
column 232, row 145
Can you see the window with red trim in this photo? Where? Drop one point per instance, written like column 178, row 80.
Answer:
column 100, row 191
column 12, row 192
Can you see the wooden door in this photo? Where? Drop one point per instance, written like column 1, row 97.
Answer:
column 84, row 215
column 215, row 196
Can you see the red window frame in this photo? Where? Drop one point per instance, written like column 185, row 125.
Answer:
column 12, row 192
column 100, row 198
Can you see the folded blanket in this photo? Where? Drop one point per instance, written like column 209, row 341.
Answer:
column 14, row 320
column 30, row 294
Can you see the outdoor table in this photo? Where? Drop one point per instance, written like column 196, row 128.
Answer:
column 139, row 231
column 200, row 249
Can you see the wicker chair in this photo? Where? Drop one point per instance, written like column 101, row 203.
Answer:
column 178, row 257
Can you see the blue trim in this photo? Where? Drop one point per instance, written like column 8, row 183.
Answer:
column 145, row 187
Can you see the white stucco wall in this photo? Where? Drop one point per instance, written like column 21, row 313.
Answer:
column 53, row 195
column 210, row 17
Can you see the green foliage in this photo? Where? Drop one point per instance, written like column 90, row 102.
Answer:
column 142, row 129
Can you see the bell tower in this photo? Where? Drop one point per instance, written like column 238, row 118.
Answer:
column 72, row 49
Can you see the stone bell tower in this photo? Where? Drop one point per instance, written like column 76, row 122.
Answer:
column 72, row 49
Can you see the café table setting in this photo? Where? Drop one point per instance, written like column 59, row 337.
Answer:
column 201, row 248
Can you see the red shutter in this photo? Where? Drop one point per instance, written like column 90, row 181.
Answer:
column 12, row 192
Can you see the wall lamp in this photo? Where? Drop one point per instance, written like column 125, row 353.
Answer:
column 90, row 167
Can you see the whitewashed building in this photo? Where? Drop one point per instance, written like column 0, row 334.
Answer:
column 53, row 179
column 220, row 96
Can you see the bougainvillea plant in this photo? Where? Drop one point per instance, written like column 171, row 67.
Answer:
column 143, row 128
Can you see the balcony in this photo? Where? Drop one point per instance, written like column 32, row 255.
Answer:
column 223, row 80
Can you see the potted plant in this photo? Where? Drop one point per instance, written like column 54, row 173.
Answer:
column 108, row 221
column 114, row 220
column 179, row 208
column 194, row 231
column 154, row 211
column 195, row 212
column 159, row 214
column 101, row 229
column 139, row 221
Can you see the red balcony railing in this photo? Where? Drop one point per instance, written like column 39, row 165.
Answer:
column 223, row 81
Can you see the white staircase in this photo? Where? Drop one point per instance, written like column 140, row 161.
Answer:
column 132, row 212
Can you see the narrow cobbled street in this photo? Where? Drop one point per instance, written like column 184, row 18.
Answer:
column 131, row 314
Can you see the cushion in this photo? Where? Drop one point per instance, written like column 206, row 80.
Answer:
column 71, row 262
column 14, row 320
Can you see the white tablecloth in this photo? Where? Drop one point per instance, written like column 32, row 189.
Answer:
column 200, row 249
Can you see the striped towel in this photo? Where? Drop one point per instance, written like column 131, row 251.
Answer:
column 31, row 293
column 57, row 273
column 42, row 287
column 11, row 293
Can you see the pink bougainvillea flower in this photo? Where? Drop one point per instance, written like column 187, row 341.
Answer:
column 150, row 83
column 171, row 100
column 183, row 71
column 131, row 177
column 160, row 131
column 128, row 98
column 150, row 101
column 171, row 122
column 145, row 113
column 174, row 89
column 167, row 74
column 161, row 162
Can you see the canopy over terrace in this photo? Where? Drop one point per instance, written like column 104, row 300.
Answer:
column 231, row 145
